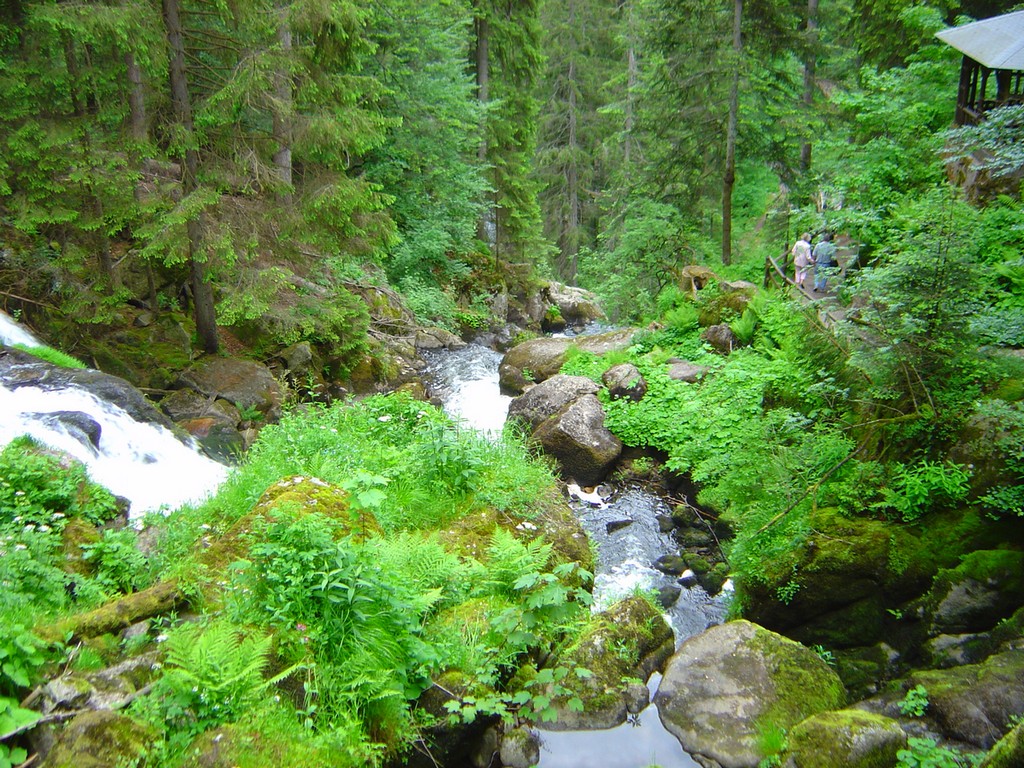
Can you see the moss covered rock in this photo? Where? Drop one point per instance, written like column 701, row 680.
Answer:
column 1008, row 752
column 100, row 739
column 629, row 640
column 986, row 587
column 975, row 703
column 846, row 738
column 77, row 534
column 555, row 522
column 309, row 495
column 726, row 686
column 856, row 570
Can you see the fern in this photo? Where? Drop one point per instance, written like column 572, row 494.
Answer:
column 214, row 673
column 435, row 577
column 508, row 559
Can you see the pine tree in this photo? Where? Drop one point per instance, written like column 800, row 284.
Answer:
column 507, row 62
column 428, row 163
column 582, row 56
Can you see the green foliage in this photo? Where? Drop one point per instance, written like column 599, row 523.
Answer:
column 772, row 742
column 997, row 138
column 22, row 655
column 824, row 654
column 925, row 753
column 915, row 702
column 919, row 489
column 51, row 355
column 431, row 304
column 1002, row 442
column 212, row 674
column 37, row 491
column 120, row 566
column 744, row 326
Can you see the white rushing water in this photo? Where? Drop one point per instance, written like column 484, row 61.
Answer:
column 145, row 463
column 467, row 383
column 12, row 333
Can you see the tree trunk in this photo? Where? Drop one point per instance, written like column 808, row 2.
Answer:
column 105, row 257
column 810, row 63
column 281, row 129
column 120, row 614
column 572, row 229
column 74, row 74
column 731, row 131
column 632, row 77
column 483, row 82
column 202, row 291
column 136, row 100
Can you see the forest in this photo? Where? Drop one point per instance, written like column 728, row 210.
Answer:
column 245, row 183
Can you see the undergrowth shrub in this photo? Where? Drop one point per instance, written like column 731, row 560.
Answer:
column 924, row 487
column 38, row 491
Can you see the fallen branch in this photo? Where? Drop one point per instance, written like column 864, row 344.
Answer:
column 810, row 489
column 117, row 615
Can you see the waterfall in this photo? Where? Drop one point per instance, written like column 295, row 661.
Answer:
column 140, row 461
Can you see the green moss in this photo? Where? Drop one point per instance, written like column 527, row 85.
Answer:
column 848, row 738
column 1010, row 390
column 804, row 684
column 100, row 739
column 629, row 640
column 271, row 742
column 1008, row 751
column 78, row 533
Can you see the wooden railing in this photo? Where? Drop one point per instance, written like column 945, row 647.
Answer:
column 774, row 275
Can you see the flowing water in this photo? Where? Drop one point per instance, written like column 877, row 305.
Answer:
column 145, row 463
column 466, row 381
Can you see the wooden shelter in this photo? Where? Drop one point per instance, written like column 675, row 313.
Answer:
column 992, row 73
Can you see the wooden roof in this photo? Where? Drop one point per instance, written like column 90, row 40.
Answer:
column 996, row 43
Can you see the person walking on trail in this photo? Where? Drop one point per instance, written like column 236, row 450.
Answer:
column 802, row 258
column 824, row 259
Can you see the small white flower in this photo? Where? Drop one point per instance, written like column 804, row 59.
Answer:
column 385, row 417
column 161, row 638
column 204, row 527
column 19, row 547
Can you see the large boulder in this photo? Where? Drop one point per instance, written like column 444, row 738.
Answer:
column 244, row 383
column 185, row 404
column 856, row 582
column 986, row 587
column 437, row 338
column 1008, row 751
column 629, row 640
column 543, row 401
column 578, row 439
column 100, row 739
column 625, row 380
column 726, row 686
column 20, row 369
column 575, row 305
column 684, row 370
column 531, row 362
column 535, row 360
column 976, row 703
column 847, row 738
column 720, row 337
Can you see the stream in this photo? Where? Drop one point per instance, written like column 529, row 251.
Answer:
column 154, row 470
column 466, row 382
column 143, row 463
